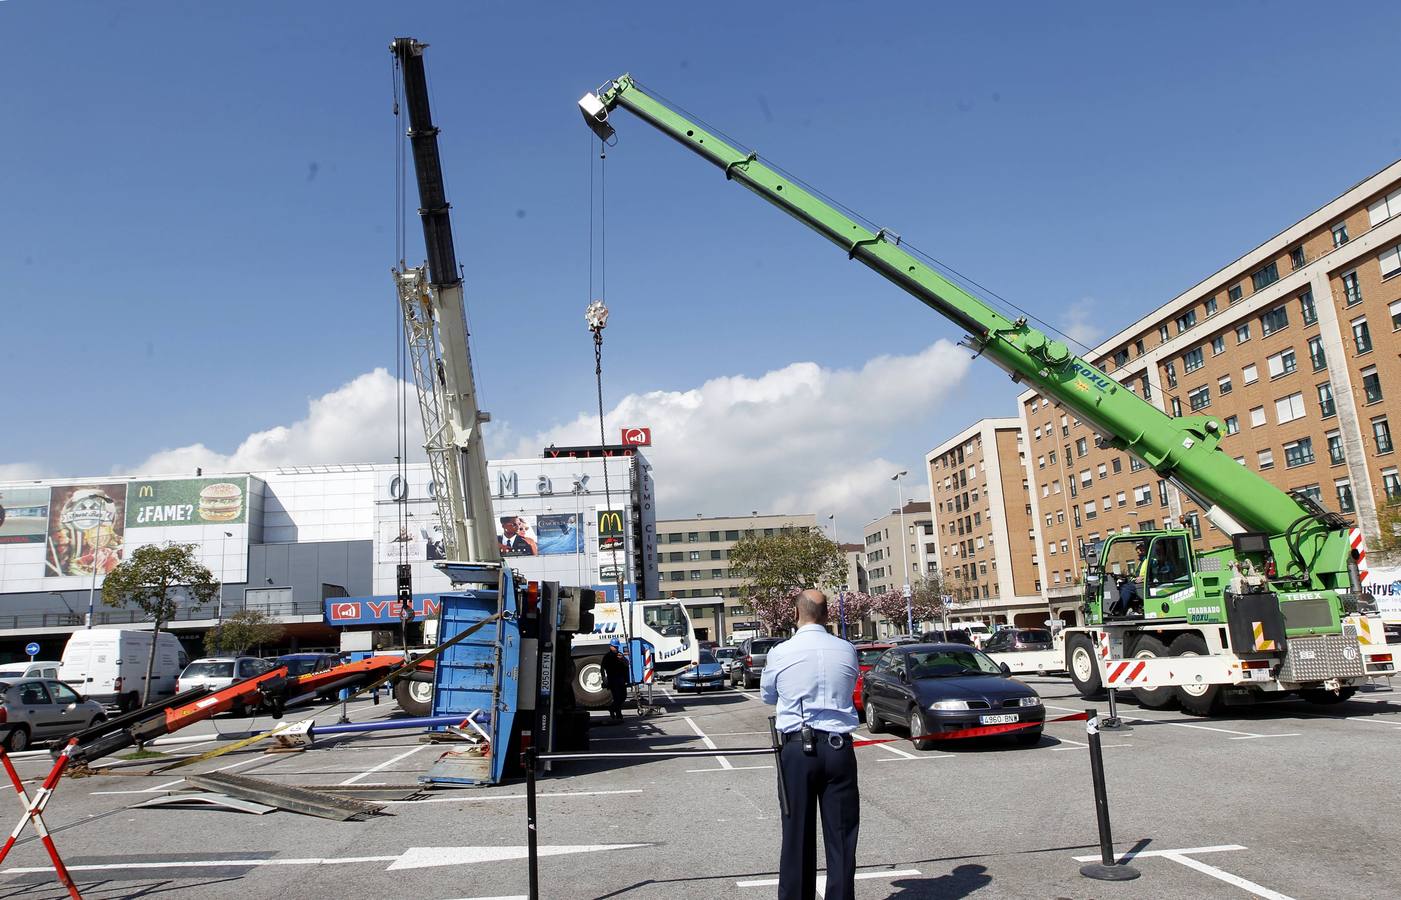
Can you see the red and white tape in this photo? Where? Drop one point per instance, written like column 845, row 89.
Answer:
column 975, row 731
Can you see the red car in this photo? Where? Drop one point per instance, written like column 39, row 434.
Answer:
column 866, row 656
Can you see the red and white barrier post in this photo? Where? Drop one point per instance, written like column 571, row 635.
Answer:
column 34, row 812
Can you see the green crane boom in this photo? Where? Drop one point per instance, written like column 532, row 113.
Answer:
column 1184, row 450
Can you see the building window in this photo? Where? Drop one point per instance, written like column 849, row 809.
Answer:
column 1121, row 358
column 732, row 535
column 1232, row 425
column 1282, row 363
column 694, row 555
column 1298, row 453
column 1082, row 446
column 1218, row 345
column 1186, row 320
column 695, row 574
column 1223, row 385
column 693, row 537
column 1142, row 495
column 1395, row 310
column 1163, row 334
column 1162, row 492
column 1391, row 484
column 1296, row 257
column 1210, row 306
column 1176, row 407
column 1135, row 464
column 1199, row 399
column 1121, row 499
column 1242, row 332
column 1335, row 448
column 1339, row 234
column 1352, row 291
column 1234, row 293
column 1117, row 465
column 1287, row 409
column 1325, row 400
column 1257, row 417
column 1320, row 362
column 1306, row 308
column 1274, row 320
column 1250, row 374
column 1264, row 277
column 1361, row 335
column 1103, row 471
column 1090, row 512
column 1344, row 491
column 715, row 536
column 1192, row 360
column 1075, row 513
column 1390, row 261
column 1381, row 430
column 717, row 554
column 1148, row 388
column 1138, row 346
column 1313, row 492
column 1266, row 459
column 1371, row 385
column 1171, row 372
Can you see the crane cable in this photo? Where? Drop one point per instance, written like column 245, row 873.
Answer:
column 601, row 207
column 399, row 331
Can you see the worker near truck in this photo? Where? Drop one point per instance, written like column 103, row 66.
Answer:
column 615, row 673
column 811, row 678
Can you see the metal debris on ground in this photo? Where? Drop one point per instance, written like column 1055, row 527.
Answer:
column 293, row 799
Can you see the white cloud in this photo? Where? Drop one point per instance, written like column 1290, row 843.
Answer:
column 801, row 439
column 22, row 472
column 1080, row 325
column 352, row 424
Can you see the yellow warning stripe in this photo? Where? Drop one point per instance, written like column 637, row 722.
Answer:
column 1261, row 645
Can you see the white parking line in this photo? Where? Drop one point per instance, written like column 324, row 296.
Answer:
column 386, row 764
column 724, row 763
column 730, row 769
column 891, row 748
column 822, row 879
column 1227, row 877
column 1131, row 856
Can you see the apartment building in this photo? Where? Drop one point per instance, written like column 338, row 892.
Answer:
column 985, row 536
column 886, row 559
column 693, row 564
column 1294, row 347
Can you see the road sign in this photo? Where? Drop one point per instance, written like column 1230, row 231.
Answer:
column 32, row 650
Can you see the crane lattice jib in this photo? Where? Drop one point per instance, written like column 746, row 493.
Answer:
column 1182, row 449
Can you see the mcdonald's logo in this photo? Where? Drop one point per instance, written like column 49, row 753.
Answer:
column 146, row 490
column 610, row 528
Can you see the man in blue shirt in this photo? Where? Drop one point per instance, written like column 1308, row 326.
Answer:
column 811, row 677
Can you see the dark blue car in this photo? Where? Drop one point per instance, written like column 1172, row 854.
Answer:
column 938, row 688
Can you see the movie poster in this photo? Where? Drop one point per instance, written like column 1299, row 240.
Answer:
column 516, row 536
column 86, row 526
column 559, row 533
column 24, row 515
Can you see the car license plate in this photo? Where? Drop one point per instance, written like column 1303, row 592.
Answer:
column 998, row 720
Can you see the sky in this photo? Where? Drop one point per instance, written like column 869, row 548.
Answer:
column 199, row 218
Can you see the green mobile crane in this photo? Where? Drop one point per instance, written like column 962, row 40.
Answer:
column 1279, row 610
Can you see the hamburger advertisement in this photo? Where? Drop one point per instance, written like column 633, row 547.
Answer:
column 187, row 501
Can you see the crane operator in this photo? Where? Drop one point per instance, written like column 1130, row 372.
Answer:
column 811, row 677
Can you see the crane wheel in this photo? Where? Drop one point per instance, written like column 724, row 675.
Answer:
column 1080, row 662
column 1196, row 699
column 1149, row 647
column 411, row 701
column 590, row 687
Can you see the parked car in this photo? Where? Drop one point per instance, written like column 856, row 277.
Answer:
column 866, row 656
column 726, row 656
column 43, row 709
column 1015, row 640
column 935, row 688
column 700, row 675
column 109, row 665
column 37, row 669
column 219, row 672
column 307, row 664
column 749, row 668
column 952, row 636
column 902, row 639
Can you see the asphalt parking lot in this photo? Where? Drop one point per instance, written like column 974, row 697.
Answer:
column 1281, row 801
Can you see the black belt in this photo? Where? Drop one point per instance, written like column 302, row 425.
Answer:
column 835, row 739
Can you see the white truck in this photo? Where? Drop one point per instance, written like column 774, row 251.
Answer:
column 109, row 665
column 664, row 624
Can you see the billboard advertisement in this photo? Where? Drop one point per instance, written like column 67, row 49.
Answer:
column 421, row 538
column 187, row 501
column 560, row 533
column 516, row 536
column 611, row 535
column 86, row 526
column 24, row 515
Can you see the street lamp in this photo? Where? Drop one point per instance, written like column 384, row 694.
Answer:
column 904, row 554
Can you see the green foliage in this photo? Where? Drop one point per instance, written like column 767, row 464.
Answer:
column 1388, row 538
column 245, row 628
column 773, row 569
column 159, row 580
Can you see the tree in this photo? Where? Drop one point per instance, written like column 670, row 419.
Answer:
column 774, row 569
column 242, row 630
column 926, row 602
column 157, row 580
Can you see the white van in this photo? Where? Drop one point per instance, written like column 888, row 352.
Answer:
column 108, row 665
column 39, row 668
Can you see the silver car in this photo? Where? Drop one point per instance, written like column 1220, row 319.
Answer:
column 42, row 709
column 219, row 672
column 726, row 657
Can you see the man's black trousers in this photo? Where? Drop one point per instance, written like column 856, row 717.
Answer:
column 825, row 780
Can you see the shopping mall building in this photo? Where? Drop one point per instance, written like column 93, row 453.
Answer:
column 309, row 545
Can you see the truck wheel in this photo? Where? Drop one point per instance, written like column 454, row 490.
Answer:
column 590, row 689
column 1196, row 699
column 1327, row 698
column 412, row 699
column 1080, row 662
column 1149, row 647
